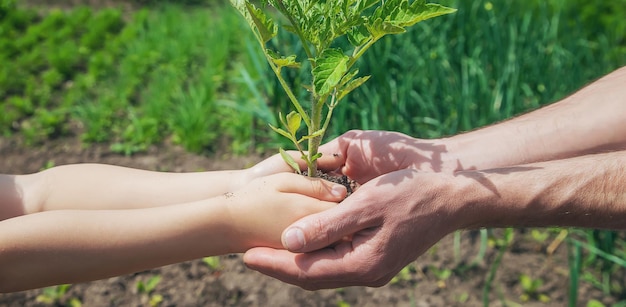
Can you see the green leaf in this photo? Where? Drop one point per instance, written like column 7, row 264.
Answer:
column 330, row 67
column 266, row 27
column 352, row 85
column 312, row 135
column 282, row 132
column 280, row 61
column 358, row 35
column 394, row 15
column 316, row 156
column 379, row 28
column 407, row 15
column 258, row 21
column 293, row 122
column 289, row 160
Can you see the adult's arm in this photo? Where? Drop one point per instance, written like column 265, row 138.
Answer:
column 591, row 120
column 396, row 217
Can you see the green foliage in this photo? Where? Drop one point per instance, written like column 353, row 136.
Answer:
column 597, row 257
column 404, row 275
column 57, row 295
column 40, row 56
column 531, row 289
column 539, row 235
column 595, row 303
column 147, row 290
column 319, row 25
column 213, row 262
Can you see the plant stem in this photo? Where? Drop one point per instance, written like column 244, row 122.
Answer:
column 288, row 91
column 314, row 142
column 358, row 52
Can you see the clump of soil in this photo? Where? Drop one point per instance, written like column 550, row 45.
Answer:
column 344, row 180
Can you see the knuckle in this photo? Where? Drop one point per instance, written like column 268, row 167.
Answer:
column 318, row 187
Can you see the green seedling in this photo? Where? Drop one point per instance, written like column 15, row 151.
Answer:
column 319, row 26
column 213, row 262
column 56, row 295
column 539, row 235
column 404, row 274
column 530, row 289
column 148, row 288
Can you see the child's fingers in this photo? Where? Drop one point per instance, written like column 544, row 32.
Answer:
column 312, row 187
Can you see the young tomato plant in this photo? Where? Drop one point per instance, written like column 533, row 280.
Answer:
column 318, row 24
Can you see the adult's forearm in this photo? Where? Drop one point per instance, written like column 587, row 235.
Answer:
column 589, row 121
column 586, row 191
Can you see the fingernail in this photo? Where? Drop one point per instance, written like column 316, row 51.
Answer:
column 338, row 190
column 293, row 239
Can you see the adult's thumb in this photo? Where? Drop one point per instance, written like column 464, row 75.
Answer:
column 321, row 230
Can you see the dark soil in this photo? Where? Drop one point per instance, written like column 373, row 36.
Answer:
column 350, row 184
column 232, row 284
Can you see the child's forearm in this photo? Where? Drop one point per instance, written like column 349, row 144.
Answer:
column 69, row 246
column 97, row 186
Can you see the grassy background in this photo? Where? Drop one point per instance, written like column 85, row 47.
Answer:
column 190, row 74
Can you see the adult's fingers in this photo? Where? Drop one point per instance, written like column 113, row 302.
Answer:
column 333, row 156
column 334, row 267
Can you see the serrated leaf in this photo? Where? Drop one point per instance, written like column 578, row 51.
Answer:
column 358, row 35
column 263, row 26
column 379, row 28
column 407, row 15
column 394, row 15
column 281, row 61
column 266, row 27
column 347, row 77
column 289, row 160
column 330, row 67
column 352, row 85
column 293, row 122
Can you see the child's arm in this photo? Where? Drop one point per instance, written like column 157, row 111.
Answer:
column 69, row 246
column 99, row 186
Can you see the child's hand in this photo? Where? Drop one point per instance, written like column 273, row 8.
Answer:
column 272, row 165
column 262, row 209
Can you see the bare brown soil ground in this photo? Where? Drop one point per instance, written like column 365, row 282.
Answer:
column 193, row 283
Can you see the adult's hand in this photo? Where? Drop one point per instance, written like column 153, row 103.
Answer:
column 364, row 155
column 392, row 219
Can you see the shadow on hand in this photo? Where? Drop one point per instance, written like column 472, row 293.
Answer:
column 382, row 152
column 480, row 176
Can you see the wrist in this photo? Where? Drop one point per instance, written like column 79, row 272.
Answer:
column 475, row 200
column 485, row 149
column 240, row 178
